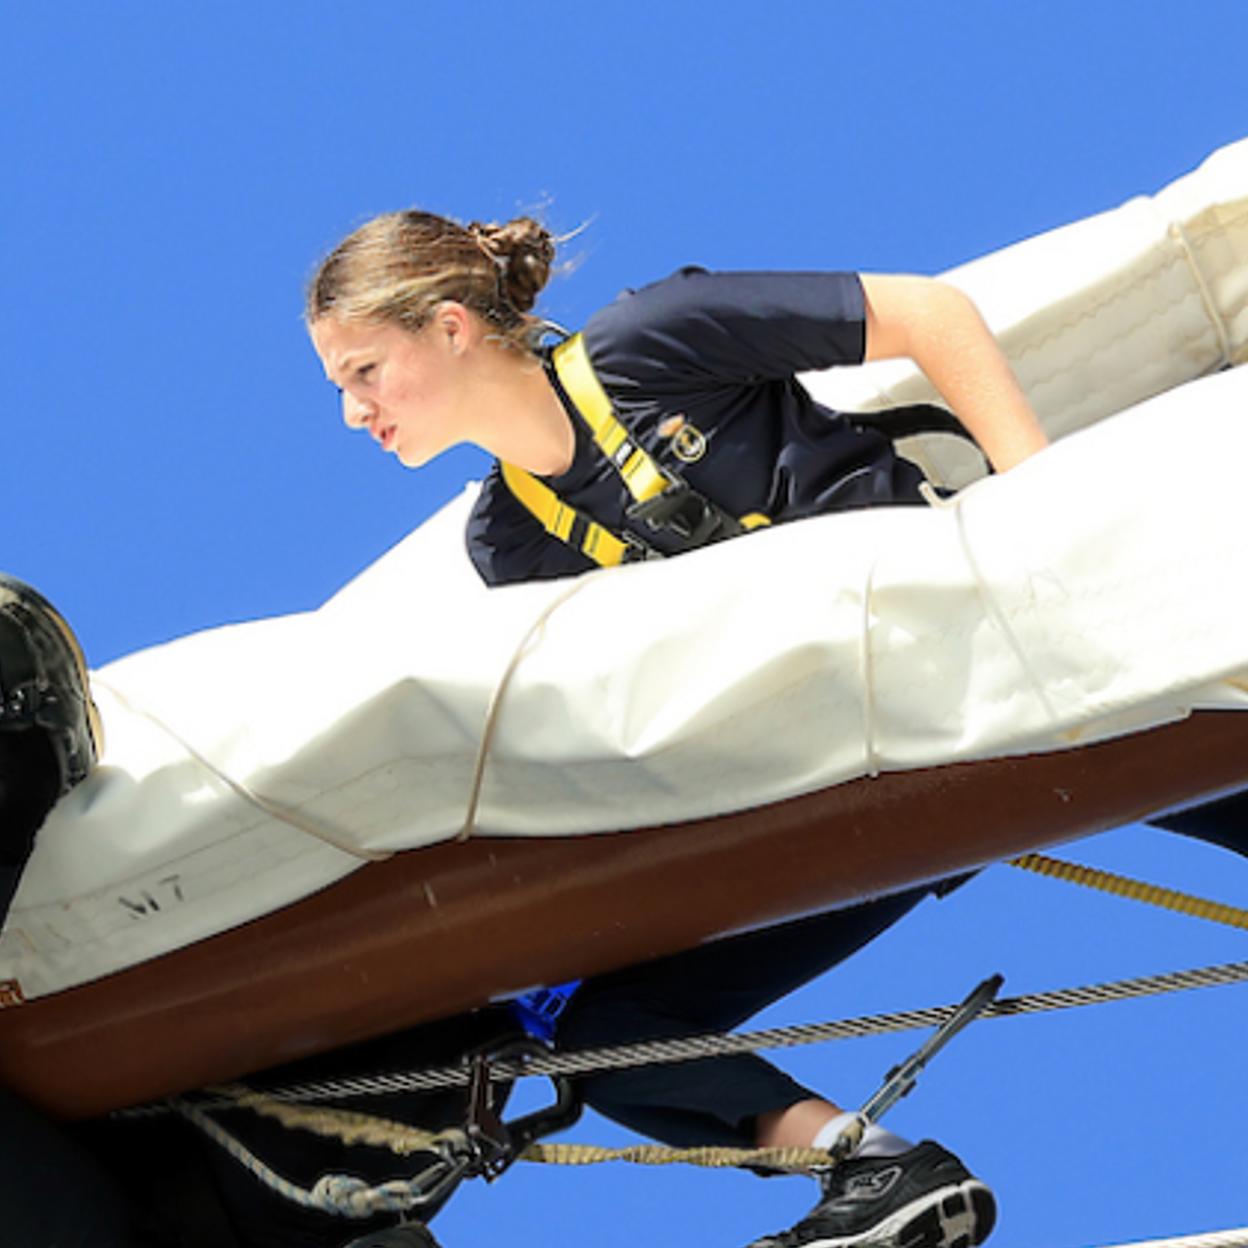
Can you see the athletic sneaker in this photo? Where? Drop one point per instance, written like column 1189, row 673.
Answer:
column 925, row 1198
column 409, row 1235
column 43, row 680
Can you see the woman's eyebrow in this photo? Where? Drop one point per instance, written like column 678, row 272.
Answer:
column 340, row 365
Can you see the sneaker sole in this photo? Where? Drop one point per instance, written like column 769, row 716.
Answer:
column 959, row 1216
column 23, row 595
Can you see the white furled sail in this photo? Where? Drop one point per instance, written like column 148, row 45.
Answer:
column 1094, row 590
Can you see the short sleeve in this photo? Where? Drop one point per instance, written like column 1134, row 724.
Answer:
column 506, row 544
column 698, row 327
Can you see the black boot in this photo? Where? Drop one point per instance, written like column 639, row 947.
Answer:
column 43, row 680
column 49, row 728
column 411, row 1235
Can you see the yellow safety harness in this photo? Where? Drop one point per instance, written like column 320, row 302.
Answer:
column 660, row 498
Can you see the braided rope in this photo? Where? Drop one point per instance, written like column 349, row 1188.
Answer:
column 354, row 1128
column 1211, row 1239
column 796, row 1160
column 336, row 1194
column 621, row 1057
column 346, row 1126
column 350, row 1197
column 1135, row 890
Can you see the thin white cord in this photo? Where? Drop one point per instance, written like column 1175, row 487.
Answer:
column 1176, row 232
column 339, row 840
column 871, row 758
column 496, row 700
column 991, row 606
column 1214, row 1239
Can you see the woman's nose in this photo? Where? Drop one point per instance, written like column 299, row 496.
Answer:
column 355, row 414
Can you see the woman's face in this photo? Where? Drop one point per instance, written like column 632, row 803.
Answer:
column 403, row 387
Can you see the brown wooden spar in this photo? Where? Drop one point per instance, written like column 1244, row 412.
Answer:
column 436, row 931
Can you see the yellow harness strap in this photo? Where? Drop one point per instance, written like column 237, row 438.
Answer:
column 564, row 522
column 642, row 477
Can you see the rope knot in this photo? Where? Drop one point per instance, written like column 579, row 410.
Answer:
column 342, row 1194
column 355, row 1198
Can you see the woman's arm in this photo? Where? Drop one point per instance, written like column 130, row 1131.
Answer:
column 941, row 330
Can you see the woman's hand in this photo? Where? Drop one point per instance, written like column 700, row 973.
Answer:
column 941, row 330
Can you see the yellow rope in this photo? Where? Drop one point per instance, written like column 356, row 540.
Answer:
column 1136, row 890
column 355, row 1128
column 345, row 1125
column 658, row 1155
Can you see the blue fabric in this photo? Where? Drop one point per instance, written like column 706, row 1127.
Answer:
column 538, row 1012
column 719, row 350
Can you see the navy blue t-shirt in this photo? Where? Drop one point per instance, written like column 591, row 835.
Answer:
column 718, row 352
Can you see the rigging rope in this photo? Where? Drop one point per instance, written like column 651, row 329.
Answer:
column 1136, row 890
column 620, row 1057
column 1211, row 1239
column 403, row 1140
column 337, row 1194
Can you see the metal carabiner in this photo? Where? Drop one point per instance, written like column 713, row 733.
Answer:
column 496, row 1144
column 901, row 1079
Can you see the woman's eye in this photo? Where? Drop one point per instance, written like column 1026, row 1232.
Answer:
column 362, row 373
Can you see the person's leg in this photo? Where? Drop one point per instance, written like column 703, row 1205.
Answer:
column 29, row 786
column 890, row 1191
column 52, row 1191
column 715, row 988
column 1224, row 822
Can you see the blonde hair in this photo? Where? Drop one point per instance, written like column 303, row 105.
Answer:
column 399, row 266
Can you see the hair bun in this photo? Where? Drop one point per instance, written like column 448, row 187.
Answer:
column 525, row 251
column 398, row 267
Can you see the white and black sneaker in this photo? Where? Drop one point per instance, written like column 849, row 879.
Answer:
column 43, row 680
column 924, row 1198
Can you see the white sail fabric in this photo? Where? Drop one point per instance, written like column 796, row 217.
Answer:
column 1095, row 589
column 1099, row 315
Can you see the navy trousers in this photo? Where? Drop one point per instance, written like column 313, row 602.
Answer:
column 715, row 987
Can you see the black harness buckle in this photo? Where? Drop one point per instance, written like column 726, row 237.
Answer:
column 688, row 515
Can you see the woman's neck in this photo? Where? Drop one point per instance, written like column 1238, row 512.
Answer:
column 519, row 416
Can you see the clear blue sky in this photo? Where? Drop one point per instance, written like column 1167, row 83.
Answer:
column 172, row 457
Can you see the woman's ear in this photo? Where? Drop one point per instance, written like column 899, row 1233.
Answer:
column 455, row 325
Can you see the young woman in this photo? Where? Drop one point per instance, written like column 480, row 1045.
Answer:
column 426, row 328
